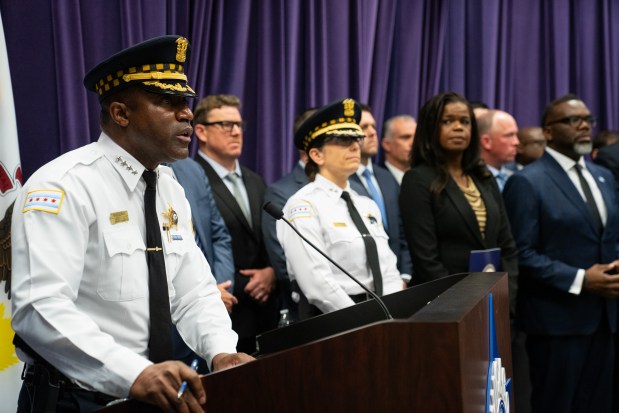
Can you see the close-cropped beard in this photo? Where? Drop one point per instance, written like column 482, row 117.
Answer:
column 583, row 148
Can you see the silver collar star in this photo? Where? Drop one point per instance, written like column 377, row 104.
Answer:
column 126, row 165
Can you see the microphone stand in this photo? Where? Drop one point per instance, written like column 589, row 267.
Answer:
column 278, row 214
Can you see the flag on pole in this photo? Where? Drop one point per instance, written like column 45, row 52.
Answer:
column 10, row 183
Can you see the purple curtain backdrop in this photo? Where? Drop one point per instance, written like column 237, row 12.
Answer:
column 282, row 56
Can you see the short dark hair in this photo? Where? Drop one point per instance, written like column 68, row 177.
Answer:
column 602, row 139
column 200, row 114
column 122, row 95
column 478, row 104
column 552, row 105
column 427, row 149
column 302, row 117
column 365, row 107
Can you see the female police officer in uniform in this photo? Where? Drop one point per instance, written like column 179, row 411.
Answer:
column 334, row 217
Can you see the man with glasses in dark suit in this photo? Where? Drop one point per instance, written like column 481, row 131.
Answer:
column 239, row 194
column 565, row 220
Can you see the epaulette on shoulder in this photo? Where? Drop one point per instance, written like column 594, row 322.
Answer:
column 58, row 167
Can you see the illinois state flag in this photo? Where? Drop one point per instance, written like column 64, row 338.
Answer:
column 10, row 183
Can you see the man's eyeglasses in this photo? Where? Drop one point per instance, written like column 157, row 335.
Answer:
column 227, row 126
column 575, row 121
column 344, row 140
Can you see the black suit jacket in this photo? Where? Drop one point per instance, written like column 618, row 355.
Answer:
column 608, row 157
column 441, row 231
column 390, row 189
column 248, row 317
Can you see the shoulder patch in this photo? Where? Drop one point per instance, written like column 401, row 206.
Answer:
column 46, row 200
column 300, row 211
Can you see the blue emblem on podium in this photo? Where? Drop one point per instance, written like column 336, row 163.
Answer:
column 498, row 387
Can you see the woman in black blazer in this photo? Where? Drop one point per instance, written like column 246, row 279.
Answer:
column 450, row 203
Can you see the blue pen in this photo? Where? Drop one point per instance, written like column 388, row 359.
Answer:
column 181, row 390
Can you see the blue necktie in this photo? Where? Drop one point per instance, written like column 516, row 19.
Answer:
column 501, row 179
column 376, row 196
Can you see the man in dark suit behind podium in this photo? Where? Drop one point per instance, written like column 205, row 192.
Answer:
column 386, row 191
column 565, row 220
column 239, row 196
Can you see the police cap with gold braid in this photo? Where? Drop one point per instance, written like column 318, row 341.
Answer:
column 157, row 65
column 340, row 117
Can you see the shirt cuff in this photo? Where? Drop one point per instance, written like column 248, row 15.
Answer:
column 406, row 277
column 579, row 280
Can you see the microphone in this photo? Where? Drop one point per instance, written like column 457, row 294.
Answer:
column 278, row 214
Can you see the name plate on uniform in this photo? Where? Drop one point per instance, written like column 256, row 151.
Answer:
column 118, row 217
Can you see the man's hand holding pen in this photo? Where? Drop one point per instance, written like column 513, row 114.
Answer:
column 161, row 384
column 181, row 390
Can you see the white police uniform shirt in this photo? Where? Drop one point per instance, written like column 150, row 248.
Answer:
column 320, row 214
column 80, row 277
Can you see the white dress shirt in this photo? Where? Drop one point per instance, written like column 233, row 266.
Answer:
column 568, row 164
column 80, row 277
column 370, row 168
column 320, row 214
column 223, row 173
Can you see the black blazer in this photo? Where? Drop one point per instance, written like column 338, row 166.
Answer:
column 608, row 157
column 247, row 245
column 248, row 317
column 441, row 231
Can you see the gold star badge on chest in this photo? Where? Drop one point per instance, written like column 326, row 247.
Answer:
column 172, row 223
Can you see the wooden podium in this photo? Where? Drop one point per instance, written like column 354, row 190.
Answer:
column 432, row 358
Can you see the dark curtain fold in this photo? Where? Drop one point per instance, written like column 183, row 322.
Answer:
column 282, row 56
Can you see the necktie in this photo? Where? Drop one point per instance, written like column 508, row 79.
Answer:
column 376, row 195
column 370, row 244
column 593, row 209
column 234, row 178
column 501, row 179
column 160, row 342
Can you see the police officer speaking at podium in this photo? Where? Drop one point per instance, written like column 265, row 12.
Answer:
column 104, row 257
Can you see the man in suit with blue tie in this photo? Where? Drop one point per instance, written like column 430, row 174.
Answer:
column 212, row 237
column 565, row 220
column 378, row 184
column 498, row 138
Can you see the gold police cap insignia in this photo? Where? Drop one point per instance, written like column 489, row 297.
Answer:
column 340, row 117
column 181, row 49
column 156, row 65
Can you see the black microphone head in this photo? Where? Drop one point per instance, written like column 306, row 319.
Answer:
column 272, row 210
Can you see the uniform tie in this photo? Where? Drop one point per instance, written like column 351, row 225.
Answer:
column 160, row 342
column 376, row 195
column 234, row 178
column 590, row 201
column 370, row 244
